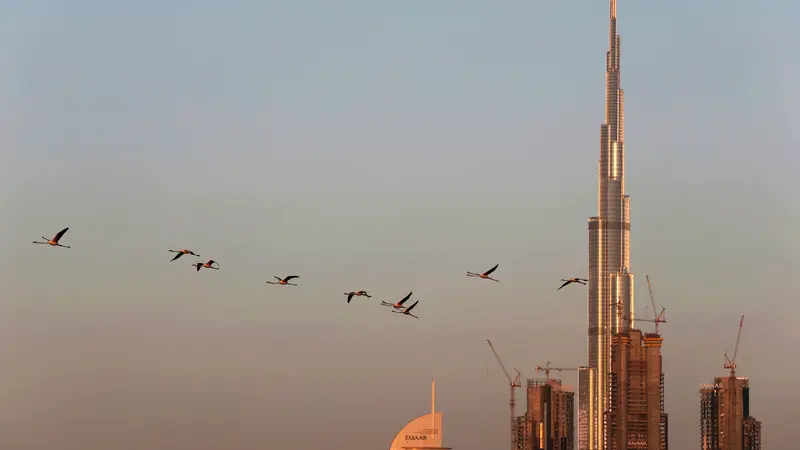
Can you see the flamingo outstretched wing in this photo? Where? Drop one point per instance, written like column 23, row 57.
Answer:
column 489, row 272
column 405, row 298
column 60, row 234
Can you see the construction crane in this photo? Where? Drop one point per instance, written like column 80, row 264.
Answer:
column 731, row 363
column 546, row 369
column 730, row 391
column 659, row 318
column 618, row 304
column 513, row 384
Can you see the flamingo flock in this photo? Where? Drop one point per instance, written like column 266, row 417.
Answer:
column 397, row 307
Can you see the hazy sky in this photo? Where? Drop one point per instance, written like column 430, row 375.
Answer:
column 386, row 146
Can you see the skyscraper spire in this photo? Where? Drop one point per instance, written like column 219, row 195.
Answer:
column 610, row 279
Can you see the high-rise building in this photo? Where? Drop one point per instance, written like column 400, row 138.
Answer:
column 751, row 438
column 635, row 419
column 524, row 432
column 586, row 380
column 610, row 279
column 725, row 421
column 551, row 409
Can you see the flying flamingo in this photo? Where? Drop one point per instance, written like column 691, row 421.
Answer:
column 484, row 275
column 350, row 295
column 573, row 280
column 407, row 311
column 208, row 265
column 181, row 253
column 54, row 242
column 285, row 281
column 398, row 305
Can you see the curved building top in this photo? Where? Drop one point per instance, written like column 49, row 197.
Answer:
column 424, row 432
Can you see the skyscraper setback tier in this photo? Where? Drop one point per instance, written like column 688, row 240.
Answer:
column 610, row 279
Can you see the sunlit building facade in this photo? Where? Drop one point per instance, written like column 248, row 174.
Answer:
column 636, row 419
column 725, row 421
column 551, row 409
column 610, row 278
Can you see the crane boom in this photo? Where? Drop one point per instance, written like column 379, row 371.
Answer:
column 547, row 368
column 658, row 317
column 650, row 290
column 738, row 336
column 730, row 363
column 502, row 366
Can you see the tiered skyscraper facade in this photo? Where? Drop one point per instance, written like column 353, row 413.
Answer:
column 610, row 279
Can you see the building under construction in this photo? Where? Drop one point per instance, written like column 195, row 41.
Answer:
column 524, row 433
column 636, row 419
column 725, row 421
column 550, row 416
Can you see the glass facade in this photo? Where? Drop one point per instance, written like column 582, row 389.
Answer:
column 610, row 280
column 586, row 438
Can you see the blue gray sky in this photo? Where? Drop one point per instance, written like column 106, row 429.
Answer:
column 386, row 146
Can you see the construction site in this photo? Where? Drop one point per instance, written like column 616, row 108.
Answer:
column 635, row 419
column 725, row 420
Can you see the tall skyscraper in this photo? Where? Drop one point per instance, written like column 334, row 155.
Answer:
column 551, row 409
column 636, row 419
column 610, row 279
column 725, row 421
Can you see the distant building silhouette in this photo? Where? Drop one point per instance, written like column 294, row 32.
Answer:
column 725, row 421
column 551, row 412
column 636, row 419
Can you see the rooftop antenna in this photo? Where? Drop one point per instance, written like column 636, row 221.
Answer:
column 433, row 407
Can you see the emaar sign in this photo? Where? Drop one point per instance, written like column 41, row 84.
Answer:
column 411, row 437
column 425, row 431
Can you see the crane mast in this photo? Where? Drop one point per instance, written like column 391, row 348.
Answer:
column 513, row 384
